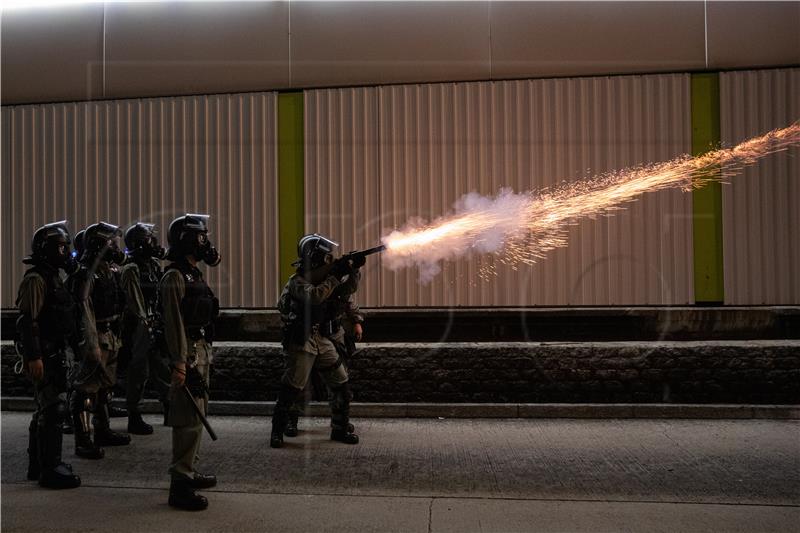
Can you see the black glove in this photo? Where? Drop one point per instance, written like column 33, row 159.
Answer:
column 341, row 268
column 359, row 261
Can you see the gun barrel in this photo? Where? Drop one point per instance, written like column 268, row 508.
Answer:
column 375, row 250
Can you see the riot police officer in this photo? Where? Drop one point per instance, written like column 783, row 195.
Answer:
column 312, row 305
column 47, row 323
column 101, row 300
column 189, row 308
column 142, row 322
column 66, row 427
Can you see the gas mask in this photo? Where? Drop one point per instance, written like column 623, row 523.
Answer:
column 151, row 248
column 113, row 254
column 60, row 255
column 101, row 240
column 205, row 252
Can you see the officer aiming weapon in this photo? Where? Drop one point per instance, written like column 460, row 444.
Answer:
column 358, row 257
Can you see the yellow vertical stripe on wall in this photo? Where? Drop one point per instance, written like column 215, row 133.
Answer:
column 149, row 160
column 290, row 179
column 707, row 201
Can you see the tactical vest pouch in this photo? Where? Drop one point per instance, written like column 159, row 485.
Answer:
column 108, row 298
column 197, row 312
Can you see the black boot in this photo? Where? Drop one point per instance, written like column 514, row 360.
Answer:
column 341, row 428
column 54, row 473
column 103, row 435
column 81, row 415
column 182, row 496
column 291, row 426
column 33, row 448
column 203, row 481
column 137, row 426
column 341, row 435
column 117, row 412
column 280, row 417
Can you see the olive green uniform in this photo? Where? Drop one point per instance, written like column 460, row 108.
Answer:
column 47, row 323
column 30, row 301
column 184, row 346
column 320, row 351
column 146, row 360
column 101, row 301
column 100, row 337
column 312, row 312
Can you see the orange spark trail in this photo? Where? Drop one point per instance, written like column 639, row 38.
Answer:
column 523, row 227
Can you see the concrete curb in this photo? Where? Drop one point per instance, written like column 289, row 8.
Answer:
column 490, row 410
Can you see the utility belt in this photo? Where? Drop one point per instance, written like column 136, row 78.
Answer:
column 112, row 324
column 296, row 333
column 195, row 334
column 327, row 328
column 52, row 349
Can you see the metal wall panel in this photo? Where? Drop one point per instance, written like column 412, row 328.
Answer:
column 753, row 34
column 583, row 38
column 221, row 47
column 366, row 43
column 341, row 173
column 135, row 49
column 429, row 144
column 149, row 160
column 761, row 219
column 52, row 55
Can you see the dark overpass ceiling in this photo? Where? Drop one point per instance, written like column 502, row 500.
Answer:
column 122, row 50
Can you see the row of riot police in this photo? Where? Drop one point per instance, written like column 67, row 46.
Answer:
column 97, row 300
column 109, row 300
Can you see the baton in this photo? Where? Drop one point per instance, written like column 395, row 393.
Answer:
column 199, row 412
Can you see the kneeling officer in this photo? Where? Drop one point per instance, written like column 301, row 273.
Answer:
column 312, row 304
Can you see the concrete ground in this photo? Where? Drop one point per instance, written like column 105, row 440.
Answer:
column 435, row 475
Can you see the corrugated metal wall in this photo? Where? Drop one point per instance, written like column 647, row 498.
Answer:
column 376, row 157
column 761, row 208
column 149, row 160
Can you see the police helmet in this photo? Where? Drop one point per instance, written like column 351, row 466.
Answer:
column 314, row 251
column 141, row 239
column 51, row 244
column 101, row 238
column 188, row 235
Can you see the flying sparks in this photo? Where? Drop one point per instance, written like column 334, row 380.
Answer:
column 523, row 227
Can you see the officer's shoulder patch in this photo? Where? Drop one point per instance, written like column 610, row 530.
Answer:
column 171, row 275
column 32, row 274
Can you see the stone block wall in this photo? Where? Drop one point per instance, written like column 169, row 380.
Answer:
column 759, row 372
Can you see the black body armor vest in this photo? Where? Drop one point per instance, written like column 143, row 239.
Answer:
column 108, row 298
column 57, row 320
column 199, row 306
column 149, row 275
